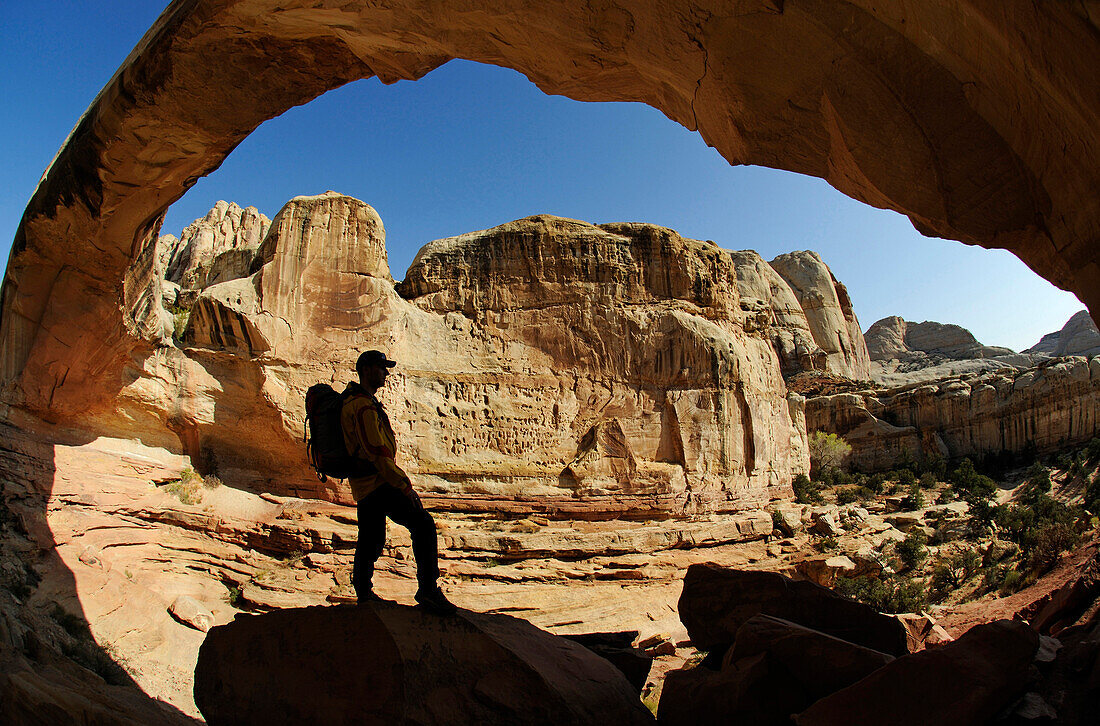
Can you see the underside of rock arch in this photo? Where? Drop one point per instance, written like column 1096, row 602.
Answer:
column 976, row 118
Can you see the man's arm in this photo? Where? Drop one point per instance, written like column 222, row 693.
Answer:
column 374, row 445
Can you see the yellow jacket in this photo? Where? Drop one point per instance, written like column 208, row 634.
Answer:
column 368, row 435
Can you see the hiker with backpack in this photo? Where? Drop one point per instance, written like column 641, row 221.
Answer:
column 380, row 487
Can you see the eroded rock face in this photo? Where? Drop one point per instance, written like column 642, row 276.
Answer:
column 220, row 246
column 828, row 311
column 896, row 338
column 903, row 352
column 395, row 664
column 620, row 365
column 1044, row 408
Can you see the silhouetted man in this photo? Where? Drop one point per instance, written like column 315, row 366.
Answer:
column 386, row 493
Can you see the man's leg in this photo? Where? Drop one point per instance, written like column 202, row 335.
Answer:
column 372, row 538
column 411, row 514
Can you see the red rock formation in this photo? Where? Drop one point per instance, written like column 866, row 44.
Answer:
column 716, row 602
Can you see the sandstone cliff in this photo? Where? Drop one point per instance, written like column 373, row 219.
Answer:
column 611, row 367
column 1041, row 409
column 220, row 246
column 829, row 312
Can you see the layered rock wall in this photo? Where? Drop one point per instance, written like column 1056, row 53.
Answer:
column 547, row 359
column 1040, row 409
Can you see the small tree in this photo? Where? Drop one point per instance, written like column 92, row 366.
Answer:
column 827, row 451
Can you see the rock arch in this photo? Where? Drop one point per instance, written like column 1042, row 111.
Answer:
column 976, row 118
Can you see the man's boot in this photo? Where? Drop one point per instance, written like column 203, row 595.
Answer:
column 432, row 599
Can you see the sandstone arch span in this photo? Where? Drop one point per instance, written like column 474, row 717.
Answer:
column 976, row 118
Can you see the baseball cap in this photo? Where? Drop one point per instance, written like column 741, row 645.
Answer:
column 373, row 358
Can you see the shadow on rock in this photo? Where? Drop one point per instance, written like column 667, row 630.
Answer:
column 395, row 664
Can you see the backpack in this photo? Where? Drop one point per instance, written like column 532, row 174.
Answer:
column 324, row 436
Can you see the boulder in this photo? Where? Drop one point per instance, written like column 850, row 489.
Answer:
column 774, row 668
column 190, row 611
column 716, row 601
column 964, row 682
column 922, row 630
column 825, row 570
column 617, row 649
column 395, row 664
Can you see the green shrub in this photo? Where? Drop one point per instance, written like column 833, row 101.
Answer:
column 912, row 550
column 936, row 466
column 806, row 491
column 188, row 488
column 827, row 451
column 914, row 497
column 970, row 485
column 1013, row 582
column 905, row 477
column 1043, row 528
column 888, row 595
column 1092, row 494
column 1038, row 482
column 927, row 480
column 847, row 495
column 876, row 483
column 827, row 544
column 1092, row 450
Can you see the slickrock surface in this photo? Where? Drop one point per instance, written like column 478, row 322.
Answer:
column 396, row 664
column 828, row 310
column 903, row 352
column 1078, row 336
column 1050, row 406
column 967, row 681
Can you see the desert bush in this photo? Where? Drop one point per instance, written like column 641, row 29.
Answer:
column 905, row 477
column 806, row 491
column 912, row 550
column 188, row 488
column 927, row 480
column 1092, row 494
column 914, row 497
column 1043, row 528
column 887, row 595
column 827, row 451
column 1038, row 481
column 847, row 495
column 971, row 486
column 1092, row 450
column 936, row 466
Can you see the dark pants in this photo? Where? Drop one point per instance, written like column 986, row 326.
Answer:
column 385, row 501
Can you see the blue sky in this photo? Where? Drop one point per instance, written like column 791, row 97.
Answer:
column 472, row 146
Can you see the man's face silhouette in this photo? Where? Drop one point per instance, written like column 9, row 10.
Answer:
column 373, row 377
